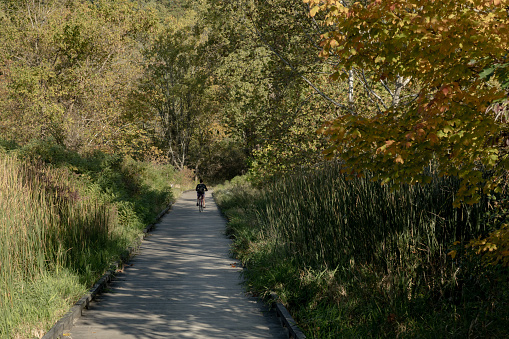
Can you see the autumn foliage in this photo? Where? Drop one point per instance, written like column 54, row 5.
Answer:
column 445, row 49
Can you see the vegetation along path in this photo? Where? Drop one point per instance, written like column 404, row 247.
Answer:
column 182, row 284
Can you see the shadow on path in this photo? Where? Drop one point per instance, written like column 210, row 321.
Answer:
column 182, row 284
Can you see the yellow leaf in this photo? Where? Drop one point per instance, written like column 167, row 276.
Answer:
column 314, row 10
column 452, row 254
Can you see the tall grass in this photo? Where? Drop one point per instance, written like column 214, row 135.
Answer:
column 323, row 220
column 359, row 259
column 64, row 218
column 45, row 225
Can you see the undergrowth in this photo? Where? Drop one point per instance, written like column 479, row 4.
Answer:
column 64, row 219
column 356, row 259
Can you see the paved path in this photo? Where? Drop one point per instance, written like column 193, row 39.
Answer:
column 182, row 284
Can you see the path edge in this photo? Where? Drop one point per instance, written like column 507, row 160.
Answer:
column 285, row 318
column 66, row 323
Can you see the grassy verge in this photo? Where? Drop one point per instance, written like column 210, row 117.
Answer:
column 355, row 259
column 64, row 218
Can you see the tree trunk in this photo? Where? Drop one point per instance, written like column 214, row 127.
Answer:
column 350, row 91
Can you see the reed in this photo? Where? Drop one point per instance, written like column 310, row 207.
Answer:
column 323, row 220
column 62, row 223
column 355, row 258
column 45, row 225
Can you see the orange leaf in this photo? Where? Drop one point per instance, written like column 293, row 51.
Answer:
column 433, row 138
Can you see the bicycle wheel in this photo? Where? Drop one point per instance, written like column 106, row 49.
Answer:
column 200, row 204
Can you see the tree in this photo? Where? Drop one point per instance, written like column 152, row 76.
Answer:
column 270, row 81
column 176, row 86
column 443, row 48
column 69, row 67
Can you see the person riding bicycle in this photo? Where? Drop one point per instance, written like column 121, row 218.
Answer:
column 200, row 190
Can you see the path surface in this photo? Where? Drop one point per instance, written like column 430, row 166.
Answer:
column 182, row 284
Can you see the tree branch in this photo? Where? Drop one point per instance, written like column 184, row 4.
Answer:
column 287, row 63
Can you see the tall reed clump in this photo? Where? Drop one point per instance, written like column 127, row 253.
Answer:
column 323, row 220
column 64, row 218
column 46, row 227
column 22, row 237
column 355, row 258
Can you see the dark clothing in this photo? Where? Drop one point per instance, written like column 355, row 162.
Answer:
column 201, row 188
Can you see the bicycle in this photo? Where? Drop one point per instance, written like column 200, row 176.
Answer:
column 200, row 190
column 200, row 203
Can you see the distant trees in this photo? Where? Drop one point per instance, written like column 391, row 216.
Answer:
column 133, row 77
column 271, row 81
column 237, row 82
column 68, row 68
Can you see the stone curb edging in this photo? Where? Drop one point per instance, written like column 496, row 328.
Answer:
column 286, row 319
column 67, row 321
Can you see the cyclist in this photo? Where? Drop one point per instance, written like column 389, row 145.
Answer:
column 200, row 190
